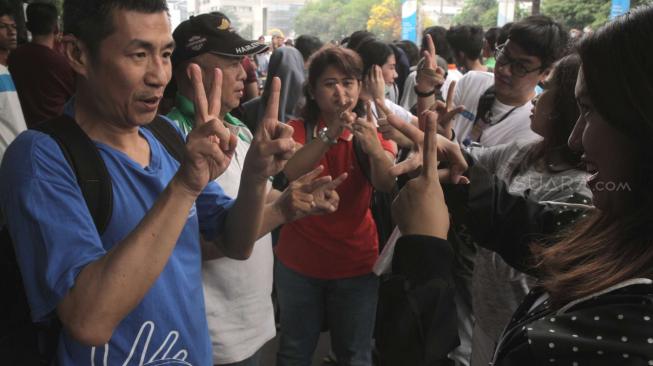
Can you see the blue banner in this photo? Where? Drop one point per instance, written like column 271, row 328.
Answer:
column 409, row 20
column 619, row 7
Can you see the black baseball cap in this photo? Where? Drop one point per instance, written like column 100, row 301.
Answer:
column 211, row 32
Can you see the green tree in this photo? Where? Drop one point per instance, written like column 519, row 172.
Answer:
column 385, row 20
column 484, row 13
column 333, row 19
column 581, row 13
column 577, row 13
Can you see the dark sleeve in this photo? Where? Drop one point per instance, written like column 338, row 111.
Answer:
column 416, row 317
column 502, row 222
column 613, row 330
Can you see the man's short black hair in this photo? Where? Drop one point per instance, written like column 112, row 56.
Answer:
column 439, row 36
column 91, row 21
column 6, row 9
column 411, row 50
column 491, row 37
column 359, row 37
column 466, row 39
column 307, row 45
column 41, row 18
column 503, row 33
column 540, row 36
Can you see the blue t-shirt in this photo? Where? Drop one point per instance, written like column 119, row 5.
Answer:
column 55, row 237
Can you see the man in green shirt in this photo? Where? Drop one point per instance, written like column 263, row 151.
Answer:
column 238, row 293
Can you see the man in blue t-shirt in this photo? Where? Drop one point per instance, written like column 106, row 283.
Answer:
column 132, row 295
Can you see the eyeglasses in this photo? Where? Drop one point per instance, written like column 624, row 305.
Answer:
column 516, row 67
column 11, row 26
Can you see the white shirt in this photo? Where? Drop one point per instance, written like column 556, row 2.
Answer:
column 409, row 98
column 238, row 293
column 12, row 121
column 515, row 126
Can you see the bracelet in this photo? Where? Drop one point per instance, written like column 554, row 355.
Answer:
column 423, row 95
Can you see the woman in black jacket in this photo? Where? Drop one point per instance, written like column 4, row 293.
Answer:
column 594, row 302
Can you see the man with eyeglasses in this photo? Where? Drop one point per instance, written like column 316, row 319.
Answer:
column 8, row 34
column 497, row 106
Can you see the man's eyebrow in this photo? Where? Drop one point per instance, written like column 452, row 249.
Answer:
column 139, row 43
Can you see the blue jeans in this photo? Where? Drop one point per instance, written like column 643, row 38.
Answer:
column 348, row 305
column 253, row 360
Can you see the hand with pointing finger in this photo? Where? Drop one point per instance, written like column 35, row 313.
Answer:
column 309, row 195
column 366, row 134
column 419, row 208
column 429, row 75
column 273, row 144
column 210, row 145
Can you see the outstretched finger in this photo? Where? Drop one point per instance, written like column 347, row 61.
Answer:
column 308, row 177
column 199, row 94
column 450, row 92
column 215, row 95
column 430, row 43
column 405, row 166
column 430, row 158
column 368, row 112
column 272, row 108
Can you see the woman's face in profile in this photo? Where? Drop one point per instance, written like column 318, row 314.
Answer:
column 609, row 155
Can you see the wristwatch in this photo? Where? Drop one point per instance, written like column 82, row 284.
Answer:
column 322, row 134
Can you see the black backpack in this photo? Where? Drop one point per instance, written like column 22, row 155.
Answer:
column 21, row 341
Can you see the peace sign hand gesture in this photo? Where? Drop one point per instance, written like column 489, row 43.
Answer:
column 210, row 145
column 273, row 144
column 429, row 75
column 419, row 208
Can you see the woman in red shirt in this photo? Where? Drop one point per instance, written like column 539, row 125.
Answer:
column 324, row 267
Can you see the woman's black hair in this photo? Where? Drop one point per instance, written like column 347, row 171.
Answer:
column 374, row 52
column 618, row 72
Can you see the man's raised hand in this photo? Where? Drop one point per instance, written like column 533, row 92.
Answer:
column 210, row 145
column 273, row 144
column 429, row 75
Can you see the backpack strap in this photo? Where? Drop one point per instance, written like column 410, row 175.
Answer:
column 168, row 136
column 87, row 164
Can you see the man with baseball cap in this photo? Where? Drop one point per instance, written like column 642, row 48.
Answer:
column 238, row 293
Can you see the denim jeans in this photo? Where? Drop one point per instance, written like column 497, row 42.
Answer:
column 253, row 360
column 347, row 305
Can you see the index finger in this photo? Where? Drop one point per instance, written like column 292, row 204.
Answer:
column 452, row 88
column 215, row 95
column 199, row 94
column 431, row 48
column 272, row 108
column 430, row 159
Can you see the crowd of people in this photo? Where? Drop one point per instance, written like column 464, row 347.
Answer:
column 183, row 196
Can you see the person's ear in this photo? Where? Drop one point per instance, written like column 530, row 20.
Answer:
column 77, row 54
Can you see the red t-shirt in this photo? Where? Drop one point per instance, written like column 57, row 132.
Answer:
column 342, row 244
